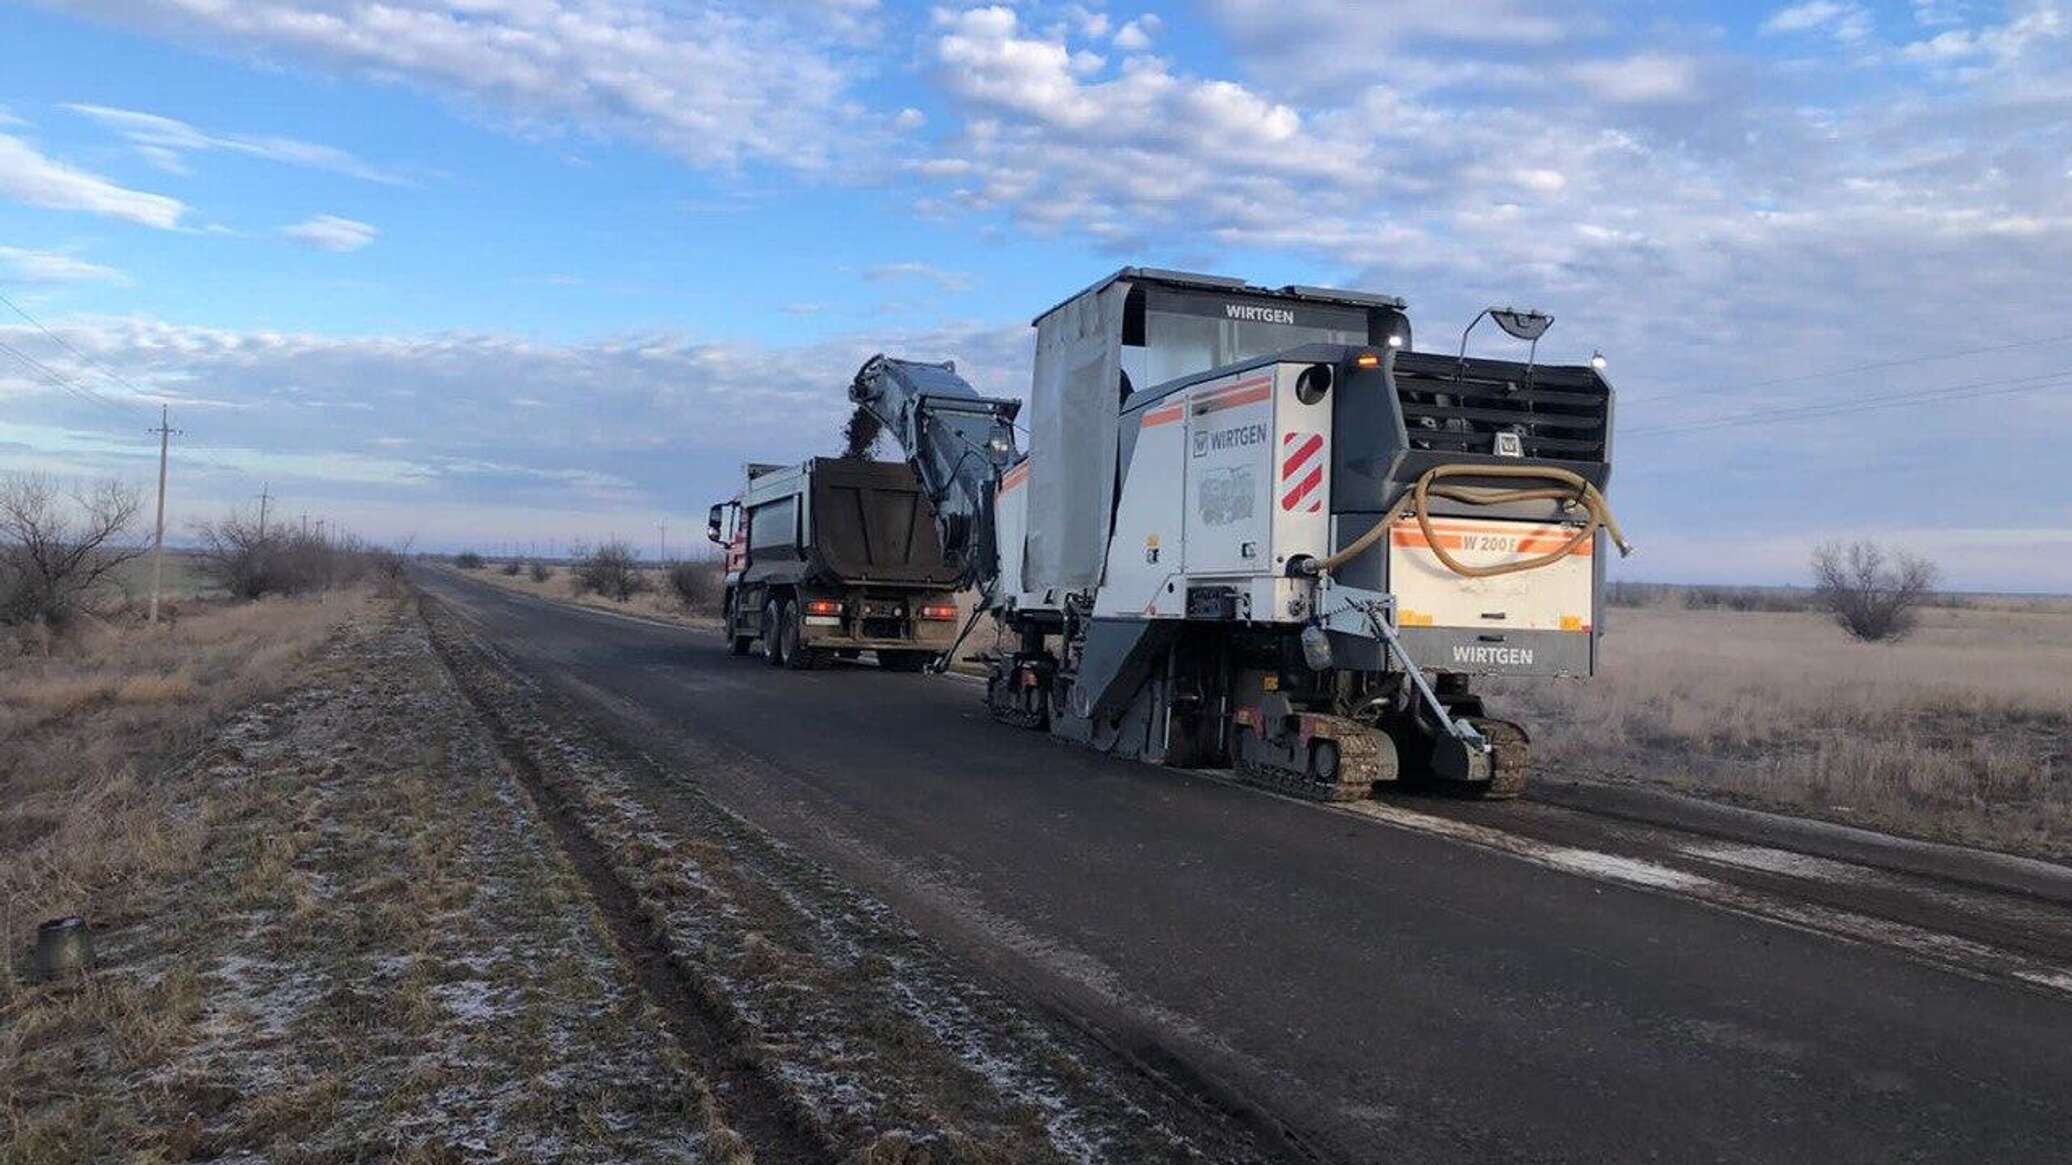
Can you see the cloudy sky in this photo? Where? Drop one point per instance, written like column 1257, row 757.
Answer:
column 515, row 271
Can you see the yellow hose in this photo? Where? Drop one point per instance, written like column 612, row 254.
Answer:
column 1564, row 486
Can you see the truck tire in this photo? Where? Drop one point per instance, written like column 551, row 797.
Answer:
column 792, row 632
column 907, row 661
column 773, row 641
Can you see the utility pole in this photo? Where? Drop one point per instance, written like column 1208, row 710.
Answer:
column 165, row 433
column 664, row 528
column 264, row 497
column 305, row 523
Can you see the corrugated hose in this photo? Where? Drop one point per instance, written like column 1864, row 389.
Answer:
column 1561, row 485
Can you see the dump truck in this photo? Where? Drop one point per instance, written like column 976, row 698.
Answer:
column 1257, row 529
column 832, row 558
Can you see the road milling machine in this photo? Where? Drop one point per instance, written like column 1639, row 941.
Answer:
column 1259, row 529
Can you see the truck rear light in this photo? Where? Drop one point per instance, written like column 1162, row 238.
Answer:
column 823, row 607
column 939, row 611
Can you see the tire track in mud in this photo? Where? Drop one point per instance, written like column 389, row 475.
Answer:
column 974, row 1075
column 779, row 1130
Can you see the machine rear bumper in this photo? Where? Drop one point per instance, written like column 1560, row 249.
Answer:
column 1476, row 652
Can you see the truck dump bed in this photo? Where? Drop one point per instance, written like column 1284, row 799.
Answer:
column 870, row 523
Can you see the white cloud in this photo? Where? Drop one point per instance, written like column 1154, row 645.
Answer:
column 165, row 142
column 1804, row 17
column 947, row 280
column 328, row 232
column 1504, row 22
column 27, row 176
column 1994, row 45
column 27, row 266
column 1642, row 77
column 1135, row 36
column 404, row 431
column 714, row 84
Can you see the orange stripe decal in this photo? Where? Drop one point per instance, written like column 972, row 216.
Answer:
column 1415, row 540
column 1164, row 416
column 1231, row 400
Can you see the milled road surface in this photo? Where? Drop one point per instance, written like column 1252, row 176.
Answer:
column 1381, row 992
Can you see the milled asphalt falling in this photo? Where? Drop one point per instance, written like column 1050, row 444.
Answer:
column 1389, row 994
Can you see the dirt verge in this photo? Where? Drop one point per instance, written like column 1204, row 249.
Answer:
column 369, row 949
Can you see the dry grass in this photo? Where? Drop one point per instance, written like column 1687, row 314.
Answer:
column 1962, row 732
column 657, row 602
column 329, row 927
column 86, row 720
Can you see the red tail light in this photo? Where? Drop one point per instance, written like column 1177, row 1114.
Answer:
column 939, row 611
column 823, row 607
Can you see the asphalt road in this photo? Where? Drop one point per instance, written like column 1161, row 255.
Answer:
column 1387, row 994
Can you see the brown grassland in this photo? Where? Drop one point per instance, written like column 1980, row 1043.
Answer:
column 1961, row 732
column 656, row 602
column 327, row 926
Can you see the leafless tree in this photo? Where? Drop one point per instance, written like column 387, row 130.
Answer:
column 1871, row 593
column 697, row 584
column 611, row 570
column 238, row 554
column 56, row 549
column 251, row 561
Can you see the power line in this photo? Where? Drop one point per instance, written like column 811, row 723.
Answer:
column 60, row 380
column 1821, row 410
column 1873, row 366
column 61, row 342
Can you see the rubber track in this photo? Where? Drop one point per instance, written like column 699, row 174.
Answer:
column 1359, row 766
column 1510, row 762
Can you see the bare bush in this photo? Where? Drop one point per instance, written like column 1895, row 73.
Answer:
column 468, row 560
column 541, row 572
column 1870, row 593
column 56, row 550
column 250, row 561
column 696, row 585
column 611, row 570
column 511, row 568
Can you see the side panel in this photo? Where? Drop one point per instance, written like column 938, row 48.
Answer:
column 1011, row 521
column 1144, row 556
column 1301, row 473
column 1230, row 499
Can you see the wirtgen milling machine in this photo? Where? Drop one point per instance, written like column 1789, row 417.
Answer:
column 1257, row 529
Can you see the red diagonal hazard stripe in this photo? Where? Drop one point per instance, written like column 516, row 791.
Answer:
column 1301, row 455
column 1301, row 489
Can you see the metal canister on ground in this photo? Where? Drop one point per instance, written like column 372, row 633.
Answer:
column 63, row 947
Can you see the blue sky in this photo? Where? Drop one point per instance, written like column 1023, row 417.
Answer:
column 517, row 271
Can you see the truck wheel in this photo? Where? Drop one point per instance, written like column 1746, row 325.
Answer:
column 773, row 641
column 908, row 661
column 797, row 656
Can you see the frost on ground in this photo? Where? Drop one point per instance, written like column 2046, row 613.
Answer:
column 377, row 953
column 881, row 1047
